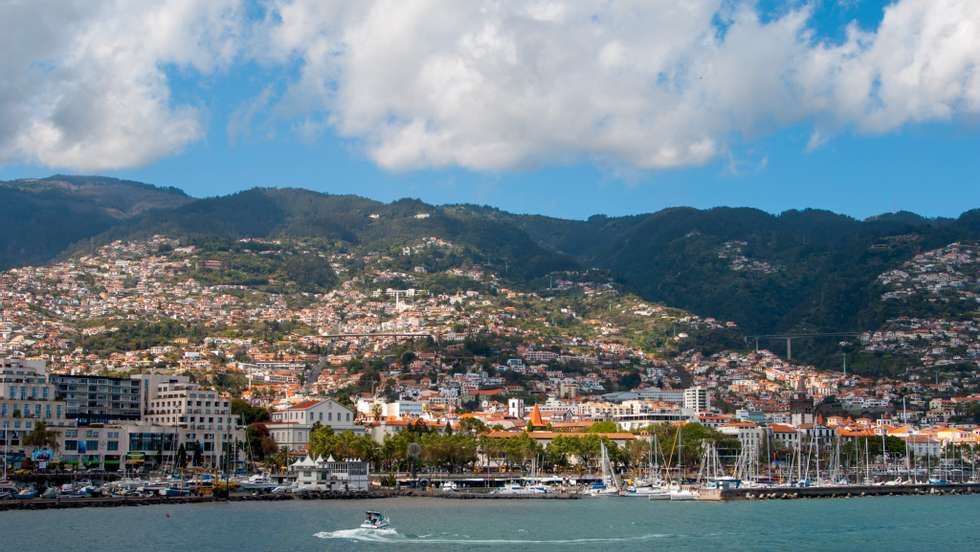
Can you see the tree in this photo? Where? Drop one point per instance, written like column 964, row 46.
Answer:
column 41, row 438
column 260, row 442
column 604, row 427
column 473, row 426
column 248, row 413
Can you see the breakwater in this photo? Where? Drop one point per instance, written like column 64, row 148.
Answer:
column 850, row 491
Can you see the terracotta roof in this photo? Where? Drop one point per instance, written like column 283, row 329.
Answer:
column 554, row 434
column 304, row 405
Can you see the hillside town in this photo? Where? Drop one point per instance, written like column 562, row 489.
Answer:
column 137, row 352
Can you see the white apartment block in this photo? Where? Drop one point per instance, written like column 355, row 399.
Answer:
column 27, row 398
column 199, row 417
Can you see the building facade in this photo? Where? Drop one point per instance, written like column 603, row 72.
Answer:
column 291, row 427
column 98, row 399
column 200, row 418
column 696, row 399
column 26, row 399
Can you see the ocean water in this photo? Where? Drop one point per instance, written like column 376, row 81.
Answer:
column 422, row 524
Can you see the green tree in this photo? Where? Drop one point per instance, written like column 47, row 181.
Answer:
column 604, row 427
column 248, row 413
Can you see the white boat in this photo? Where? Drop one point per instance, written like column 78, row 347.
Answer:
column 448, row 487
column 518, row 489
column 644, row 490
column 683, row 494
column 375, row 520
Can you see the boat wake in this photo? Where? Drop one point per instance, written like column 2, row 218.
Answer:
column 394, row 537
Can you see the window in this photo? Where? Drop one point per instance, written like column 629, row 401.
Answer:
column 71, row 444
column 47, row 411
column 112, row 445
column 92, row 445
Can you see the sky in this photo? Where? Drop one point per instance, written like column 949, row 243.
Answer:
column 560, row 108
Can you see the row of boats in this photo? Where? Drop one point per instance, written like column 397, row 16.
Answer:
column 171, row 486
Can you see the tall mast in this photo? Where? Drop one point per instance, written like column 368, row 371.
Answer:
column 6, row 438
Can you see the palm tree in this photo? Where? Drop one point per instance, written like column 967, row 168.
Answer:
column 41, row 438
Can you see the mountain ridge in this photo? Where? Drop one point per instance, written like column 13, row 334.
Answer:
column 806, row 269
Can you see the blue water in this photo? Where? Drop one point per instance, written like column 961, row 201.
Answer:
column 885, row 523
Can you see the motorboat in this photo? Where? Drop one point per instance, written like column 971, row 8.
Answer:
column 260, row 483
column 375, row 520
column 448, row 487
column 645, row 490
column 599, row 488
column 518, row 489
column 26, row 494
column 683, row 494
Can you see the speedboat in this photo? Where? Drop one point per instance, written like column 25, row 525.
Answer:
column 374, row 520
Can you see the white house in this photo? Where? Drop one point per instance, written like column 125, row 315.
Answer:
column 291, row 427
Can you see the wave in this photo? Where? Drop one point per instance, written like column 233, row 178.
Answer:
column 394, row 537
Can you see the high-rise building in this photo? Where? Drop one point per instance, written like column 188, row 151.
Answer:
column 98, row 399
column 696, row 399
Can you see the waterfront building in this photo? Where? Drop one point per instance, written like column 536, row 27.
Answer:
column 112, row 447
column 26, row 398
column 291, row 427
column 98, row 399
column 330, row 474
column 200, row 418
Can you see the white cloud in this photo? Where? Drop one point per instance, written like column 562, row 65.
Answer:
column 649, row 84
column 84, row 85
column 482, row 84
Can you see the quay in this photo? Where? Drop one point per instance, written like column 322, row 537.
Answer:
column 120, row 501
column 850, row 491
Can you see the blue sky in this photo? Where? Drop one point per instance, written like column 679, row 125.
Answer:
column 915, row 161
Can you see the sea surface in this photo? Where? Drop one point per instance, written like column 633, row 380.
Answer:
column 421, row 524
